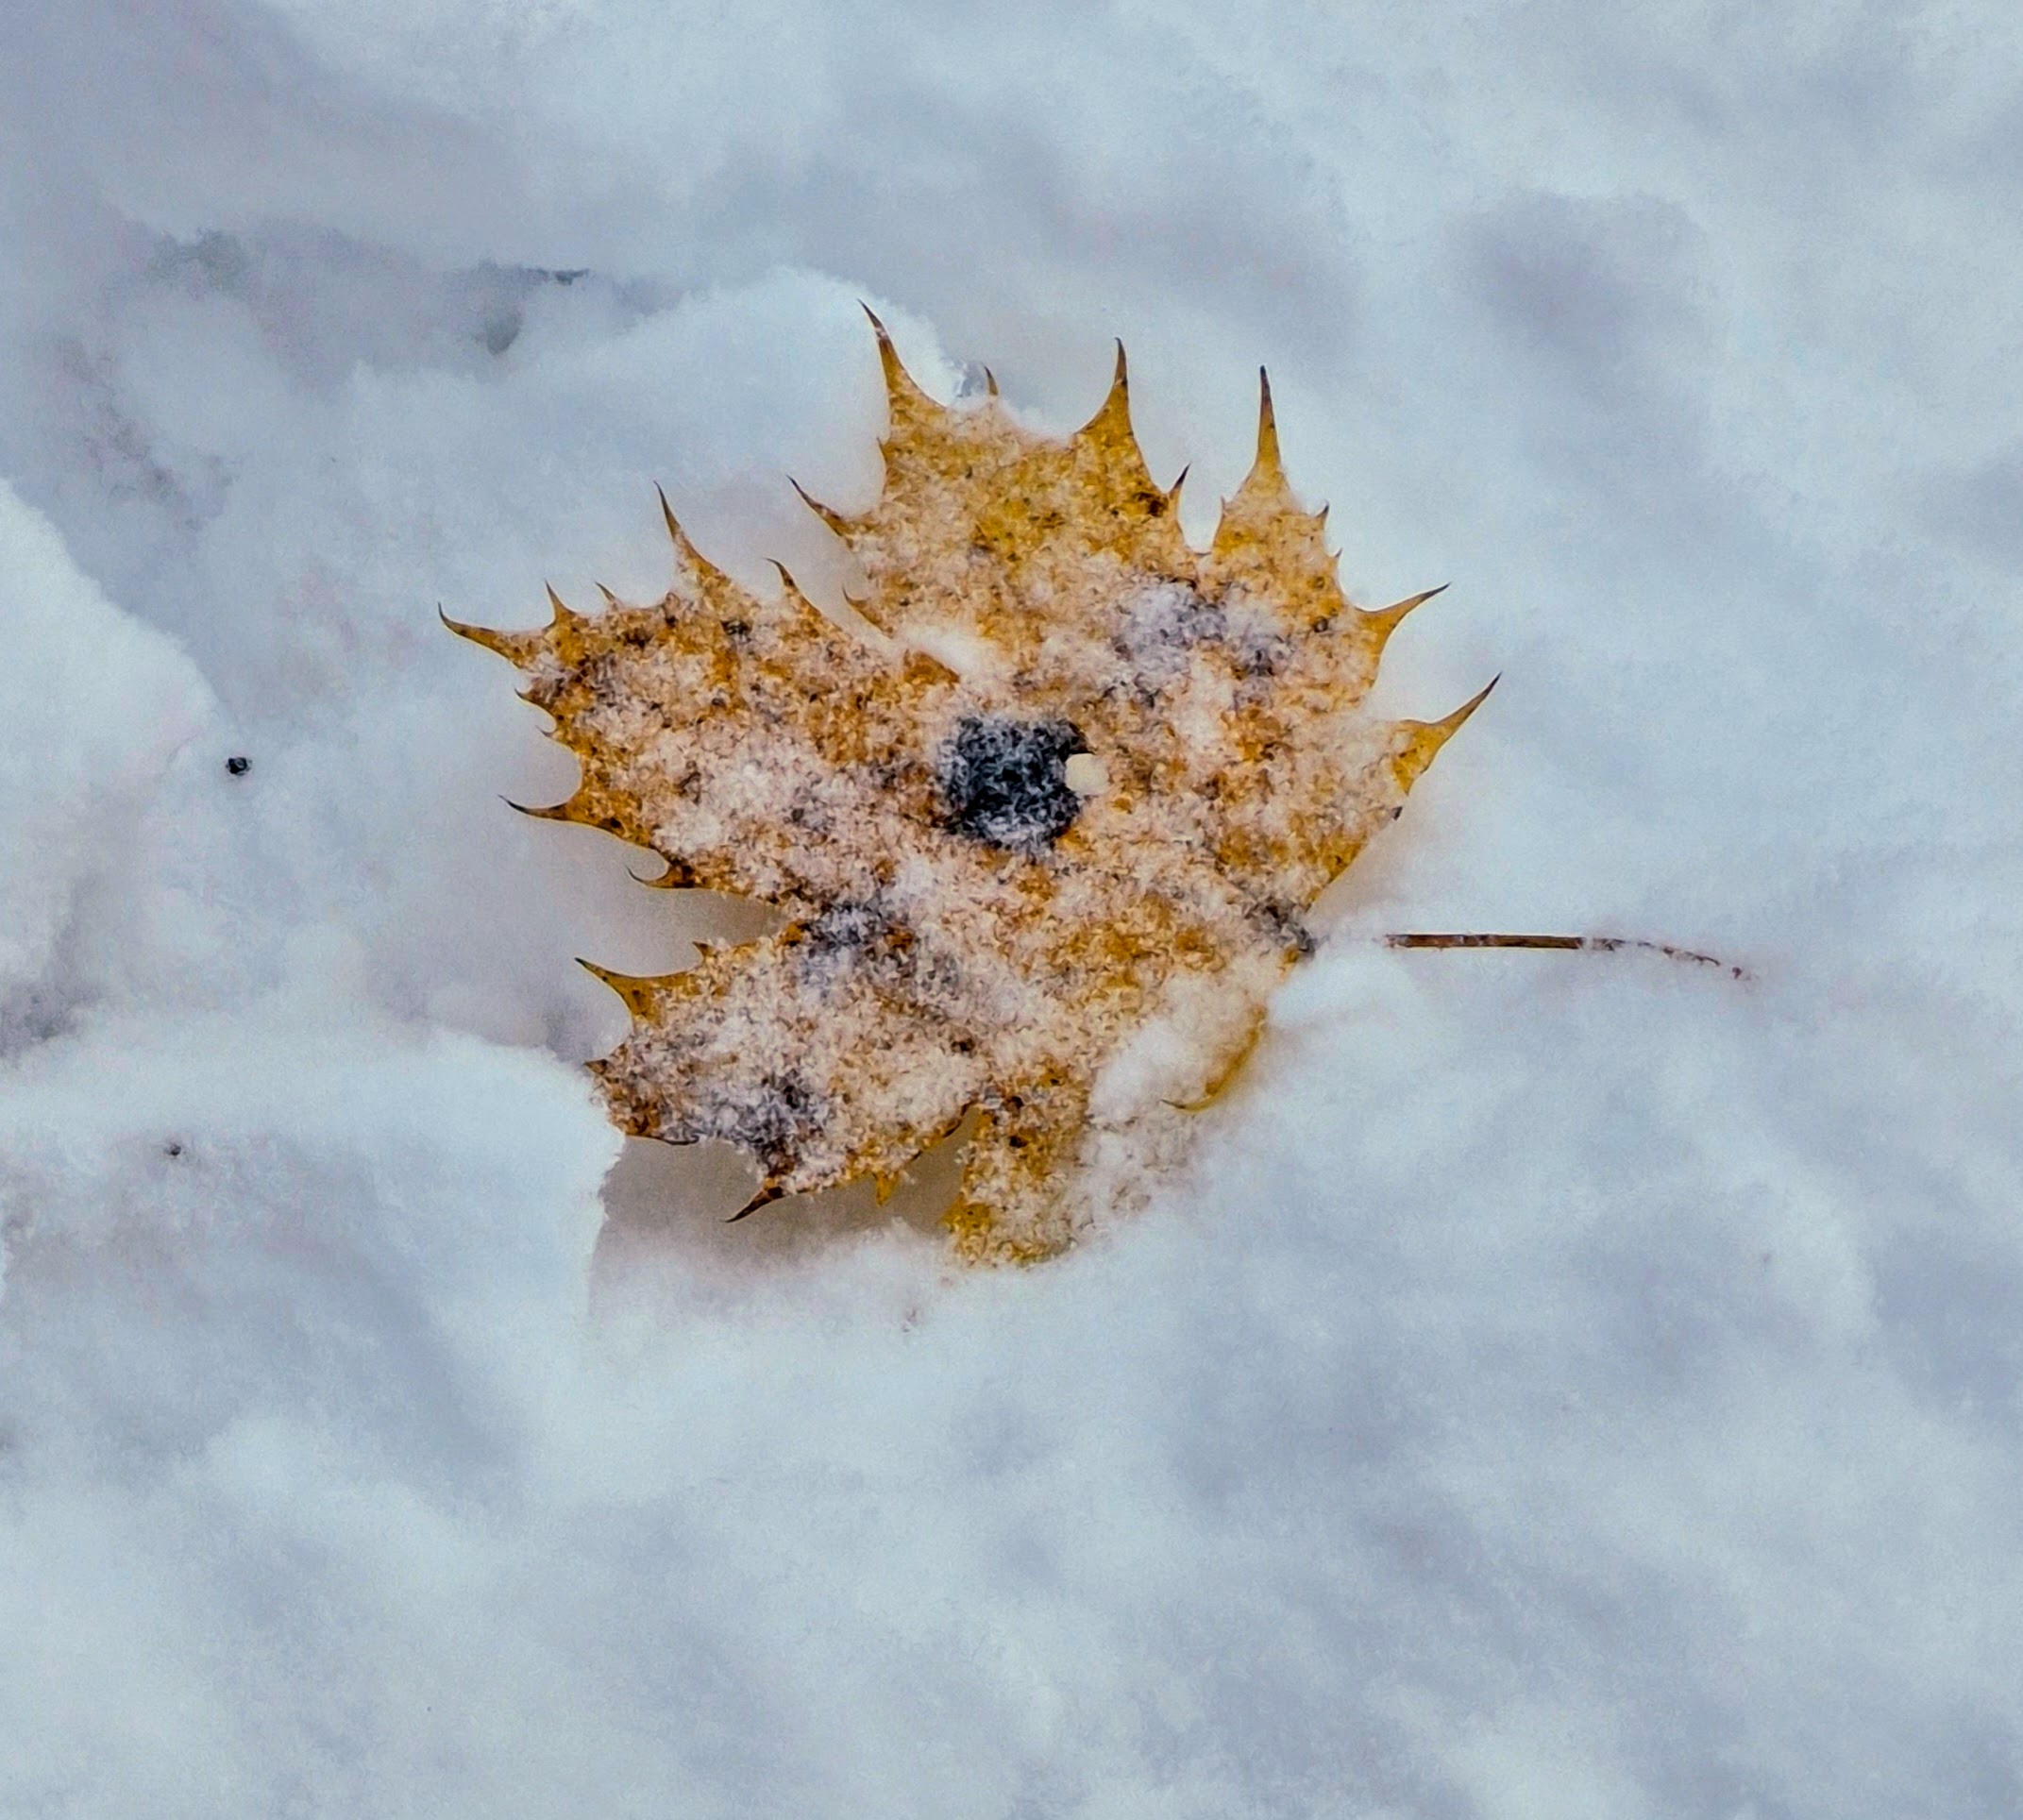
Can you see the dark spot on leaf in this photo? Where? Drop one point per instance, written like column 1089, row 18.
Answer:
column 1157, row 629
column 1285, row 924
column 238, row 764
column 1260, row 657
column 848, row 926
column 772, row 1118
column 1005, row 782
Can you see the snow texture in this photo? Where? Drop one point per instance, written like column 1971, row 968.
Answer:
column 1560, row 1387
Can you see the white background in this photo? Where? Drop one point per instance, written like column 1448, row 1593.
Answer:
column 1560, row 1388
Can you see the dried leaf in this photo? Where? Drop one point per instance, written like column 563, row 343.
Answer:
column 1045, row 856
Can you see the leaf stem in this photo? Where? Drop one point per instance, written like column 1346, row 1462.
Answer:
column 1576, row 944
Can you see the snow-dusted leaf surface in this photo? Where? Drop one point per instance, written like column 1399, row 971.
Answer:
column 1044, row 823
column 1562, row 1386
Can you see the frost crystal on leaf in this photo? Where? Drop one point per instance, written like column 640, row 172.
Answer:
column 1044, row 855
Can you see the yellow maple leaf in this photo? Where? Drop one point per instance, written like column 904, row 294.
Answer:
column 1044, row 839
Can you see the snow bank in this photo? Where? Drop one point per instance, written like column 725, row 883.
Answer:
column 1559, row 1387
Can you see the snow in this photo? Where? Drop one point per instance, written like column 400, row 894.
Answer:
column 97, row 709
column 1560, row 1386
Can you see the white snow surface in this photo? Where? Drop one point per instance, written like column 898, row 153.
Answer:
column 1558, row 1388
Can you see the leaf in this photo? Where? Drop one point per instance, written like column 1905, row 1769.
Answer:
column 1045, row 856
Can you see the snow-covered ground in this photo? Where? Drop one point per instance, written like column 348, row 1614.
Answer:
column 1564, row 1387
